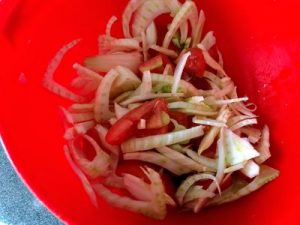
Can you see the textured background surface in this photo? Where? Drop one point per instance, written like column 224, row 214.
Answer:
column 17, row 205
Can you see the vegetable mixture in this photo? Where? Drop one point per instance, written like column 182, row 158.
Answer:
column 155, row 117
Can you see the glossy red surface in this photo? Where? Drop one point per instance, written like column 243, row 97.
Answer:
column 260, row 41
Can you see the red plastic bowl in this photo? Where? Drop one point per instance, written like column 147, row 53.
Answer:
column 260, row 41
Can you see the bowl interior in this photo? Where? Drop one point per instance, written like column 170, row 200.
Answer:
column 260, row 43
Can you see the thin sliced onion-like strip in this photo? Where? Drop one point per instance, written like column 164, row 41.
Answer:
column 205, row 161
column 240, row 107
column 147, row 14
column 187, row 88
column 168, row 70
column 112, row 180
column 151, row 34
column 101, row 110
column 188, row 183
column 141, row 98
column 146, row 85
column 62, row 91
column 157, row 159
column 263, row 146
column 137, row 187
column 209, row 122
column 52, row 85
column 212, row 77
column 109, row 25
column 120, row 111
column 210, row 136
column 234, row 168
column 187, row 105
column 54, row 63
column 81, row 108
column 143, row 207
column 230, row 101
column 253, row 134
column 106, row 62
column 214, row 86
column 145, row 46
column 84, row 71
column 102, row 131
column 235, row 119
column 221, row 62
column 165, row 51
column 199, row 29
column 182, row 159
column 184, row 30
column 141, row 190
column 124, row 44
column 157, row 141
column 220, row 172
column 188, row 11
column 209, row 40
column 243, row 123
column 122, row 97
column 85, row 182
column 109, row 44
column 174, row 6
column 77, row 117
column 267, row 174
column 131, row 7
column 85, row 85
column 98, row 166
column 196, row 192
column 70, row 133
column 179, row 70
column 158, row 190
column 210, row 60
column 134, row 106
column 195, row 99
column 235, row 192
column 197, row 112
column 82, row 128
column 225, row 91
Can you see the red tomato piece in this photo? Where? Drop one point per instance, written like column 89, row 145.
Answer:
column 150, row 132
column 125, row 127
column 182, row 118
column 195, row 64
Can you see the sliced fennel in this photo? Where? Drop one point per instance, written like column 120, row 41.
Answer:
column 157, row 159
column 188, row 182
column 238, row 149
column 156, row 141
column 241, row 188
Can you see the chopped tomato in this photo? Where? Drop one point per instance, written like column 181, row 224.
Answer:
column 126, row 126
column 182, row 118
column 195, row 64
column 150, row 132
